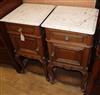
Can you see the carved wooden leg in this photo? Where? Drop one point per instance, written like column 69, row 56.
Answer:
column 16, row 65
column 51, row 76
column 84, row 81
column 93, row 77
column 17, row 57
column 90, row 87
column 44, row 65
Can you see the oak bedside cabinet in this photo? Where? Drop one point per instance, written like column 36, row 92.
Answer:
column 23, row 27
column 69, row 36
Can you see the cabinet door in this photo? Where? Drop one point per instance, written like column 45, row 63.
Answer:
column 63, row 53
column 29, row 47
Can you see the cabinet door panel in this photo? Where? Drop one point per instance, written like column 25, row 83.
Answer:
column 67, row 54
column 29, row 43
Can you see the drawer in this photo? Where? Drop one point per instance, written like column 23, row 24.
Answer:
column 66, row 36
column 24, row 29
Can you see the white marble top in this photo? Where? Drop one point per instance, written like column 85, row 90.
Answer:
column 76, row 19
column 30, row 14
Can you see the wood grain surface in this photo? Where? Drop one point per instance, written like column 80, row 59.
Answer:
column 83, row 3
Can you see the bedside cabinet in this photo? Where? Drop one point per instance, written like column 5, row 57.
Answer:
column 69, row 37
column 68, row 50
column 23, row 27
column 27, row 41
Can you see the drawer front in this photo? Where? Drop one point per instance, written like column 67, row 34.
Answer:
column 25, row 29
column 68, row 37
column 68, row 54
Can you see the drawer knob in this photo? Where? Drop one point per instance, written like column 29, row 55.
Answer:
column 22, row 37
column 53, row 54
column 37, row 49
column 66, row 38
column 20, row 30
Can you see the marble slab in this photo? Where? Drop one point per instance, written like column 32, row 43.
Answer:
column 30, row 14
column 75, row 19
